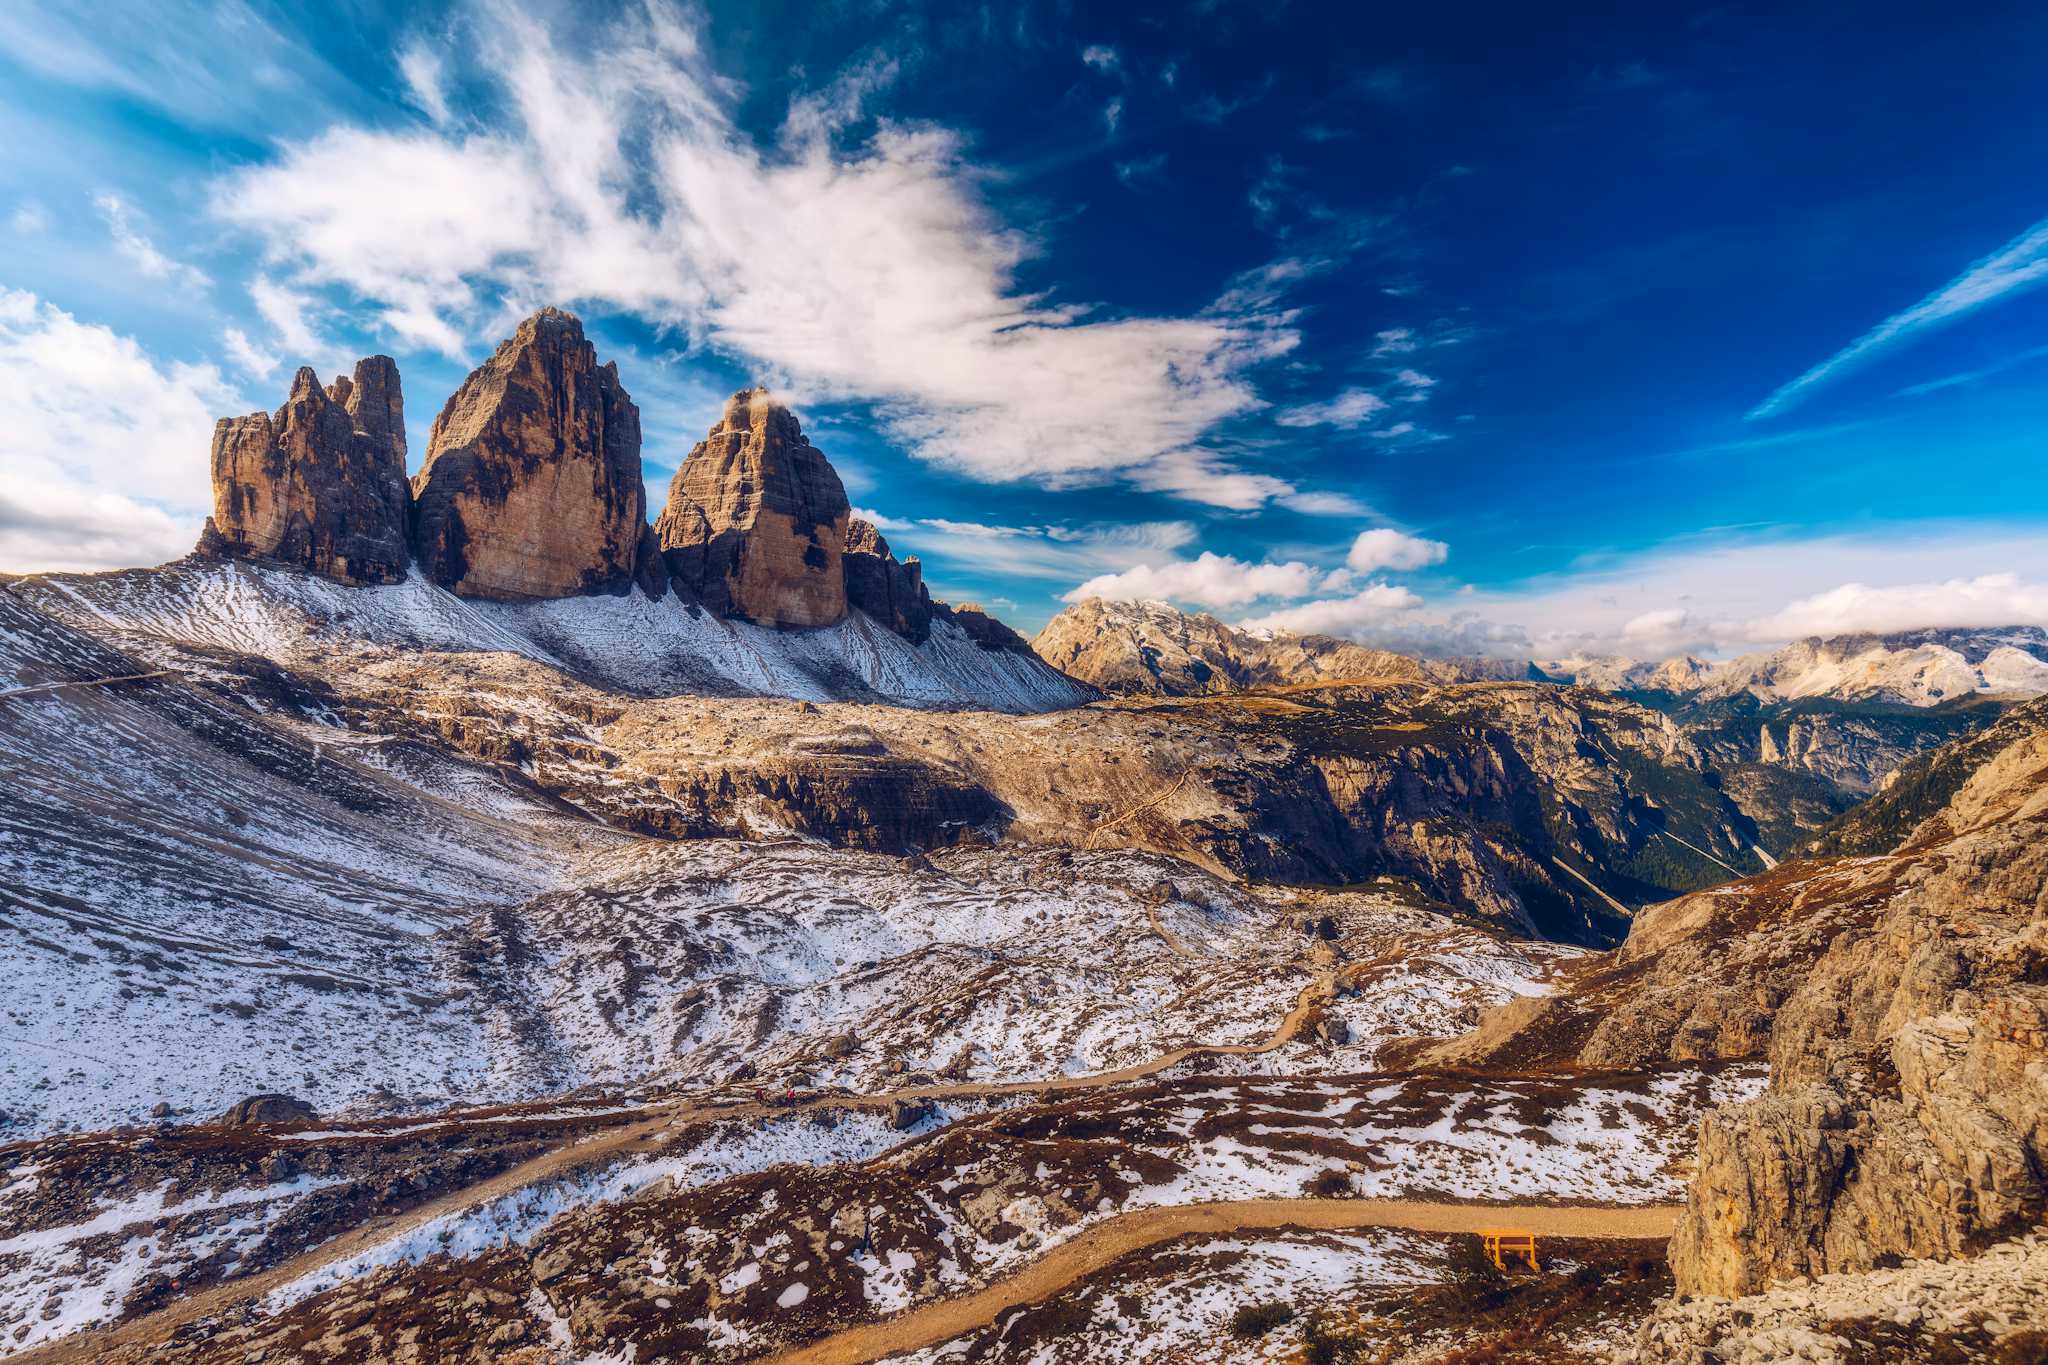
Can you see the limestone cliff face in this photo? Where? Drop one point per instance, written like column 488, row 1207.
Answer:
column 891, row 592
column 1902, row 1001
column 756, row 521
column 320, row 483
column 532, row 487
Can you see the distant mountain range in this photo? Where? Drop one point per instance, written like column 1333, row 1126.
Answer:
column 1910, row 668
column 1153, row 648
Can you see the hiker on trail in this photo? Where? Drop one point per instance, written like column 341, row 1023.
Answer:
column 789, row 1096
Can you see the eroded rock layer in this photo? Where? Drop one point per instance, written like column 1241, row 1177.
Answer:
column 532, row 486
column 756, row 521
column 320, row 483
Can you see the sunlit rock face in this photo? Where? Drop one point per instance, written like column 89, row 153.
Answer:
column 532, row 487
column 319, row 484
column 756, row 521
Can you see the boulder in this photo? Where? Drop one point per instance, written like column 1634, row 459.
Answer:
column 320, row 483
column 756, row 521
column 269, row 1109
column 876, row 583
column 907, row 1114
column 532, row 487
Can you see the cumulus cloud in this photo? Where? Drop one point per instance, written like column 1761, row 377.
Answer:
column 1208, row 580
column 103, row 457
column 2000, row 599
column 1101, row 56
column 1385, row 548
column 858, row 268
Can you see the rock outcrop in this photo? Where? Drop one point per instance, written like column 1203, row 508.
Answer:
column 891, row 592
column 1902, row 1001
column 756, row 521
column 272, row 1108
column 1150, row 648
column 532, row 487
column 320, row 483
column 985, row 630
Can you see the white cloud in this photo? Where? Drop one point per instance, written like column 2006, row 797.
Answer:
column 2000, row 599
column 1375, row 608
column 104, row 454
column 1140, row 170
column 1059, row 553
column 875, row 272
column 245, row 353
column 29, row 219
column 1208, row 580
column 1395, row 341
column 420, row 65
column 1414, row 379
column 139, row 251
column 1324, row 504
column 1729, row 594
column 1200, row 477
column 1351, row 408
column 1101, row 57
column 289, row 312
column 2019, row 265
column 1385, row 548
column 1112, row 115
column 1716, row 595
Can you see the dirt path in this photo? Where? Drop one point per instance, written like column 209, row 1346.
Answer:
column 1115, row 1238
column 633, row 1139
column 1134, row 812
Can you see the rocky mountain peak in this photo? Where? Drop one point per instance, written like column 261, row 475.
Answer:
column 756, row 521
column 532, row 486
column 891, row 592
column 319, row 484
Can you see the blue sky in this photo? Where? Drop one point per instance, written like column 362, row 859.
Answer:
column 1662, row 328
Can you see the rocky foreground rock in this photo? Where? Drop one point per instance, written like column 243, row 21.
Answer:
column 1902, row 1001
column 532, row 485
column 319, row 484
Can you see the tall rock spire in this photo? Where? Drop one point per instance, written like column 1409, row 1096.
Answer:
column 755, row 525
column 532, row 485
column 320, row 483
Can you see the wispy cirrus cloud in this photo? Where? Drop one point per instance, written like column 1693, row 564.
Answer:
column 139, row 251
column 2019, row 265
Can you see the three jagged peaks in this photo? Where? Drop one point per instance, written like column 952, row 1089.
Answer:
column 532, row 489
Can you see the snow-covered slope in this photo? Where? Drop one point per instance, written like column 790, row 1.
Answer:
column 631, row 644
column 197, row 906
